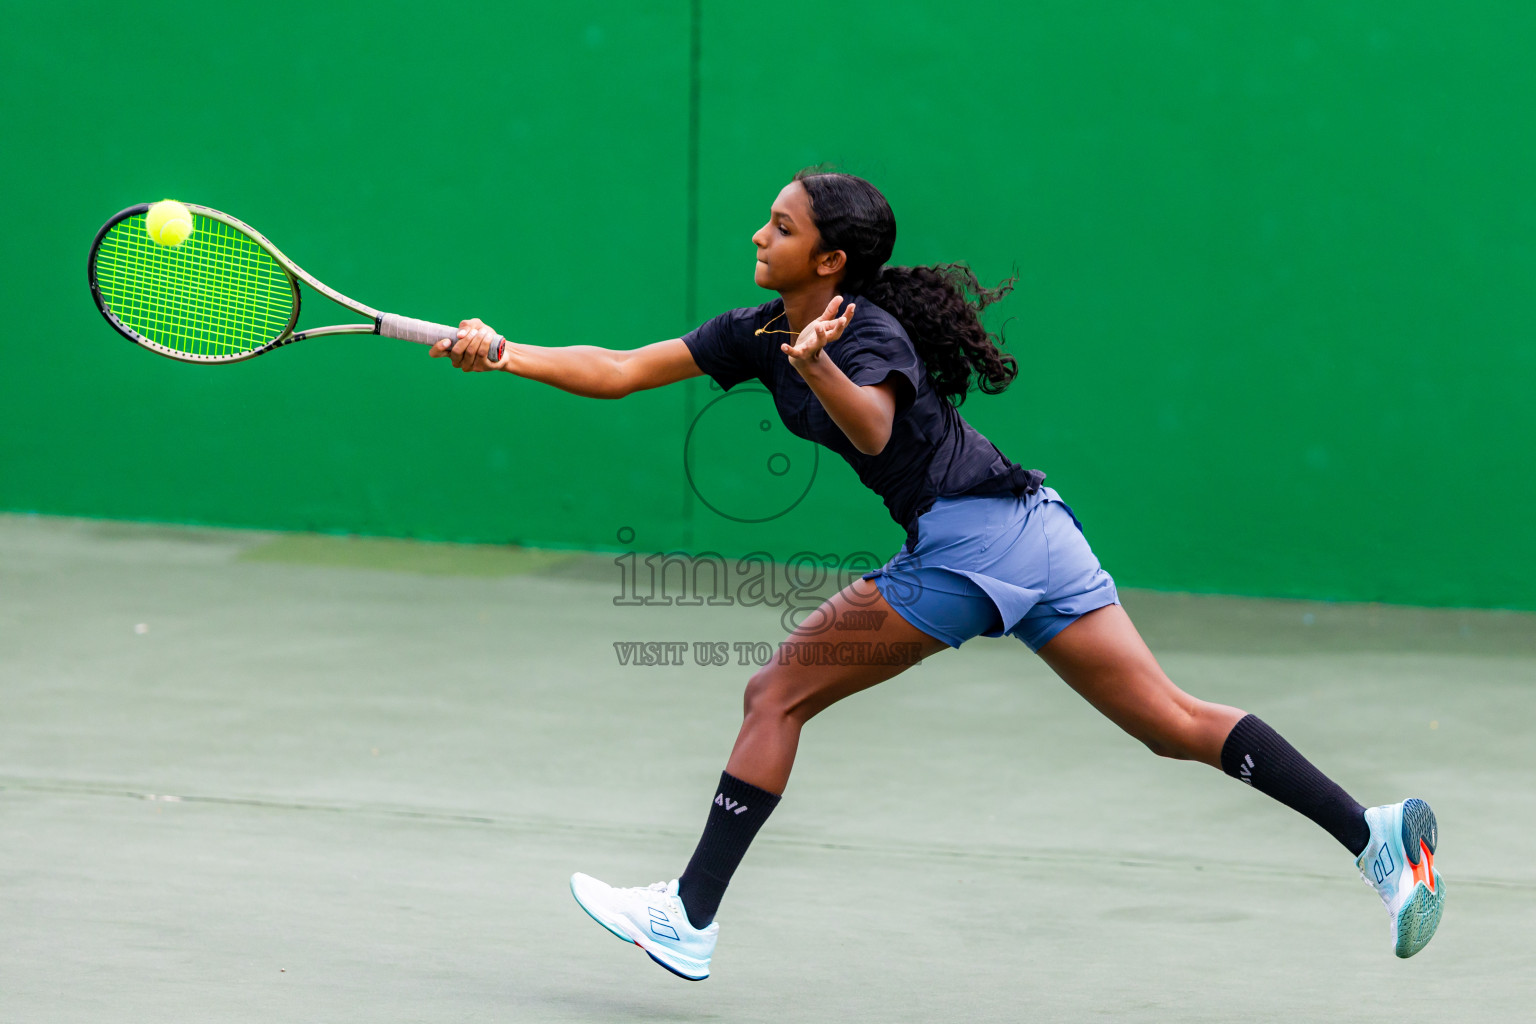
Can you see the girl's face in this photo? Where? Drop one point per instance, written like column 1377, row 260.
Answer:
column 788, row 246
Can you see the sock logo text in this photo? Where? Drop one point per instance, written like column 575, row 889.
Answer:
column 735, row 807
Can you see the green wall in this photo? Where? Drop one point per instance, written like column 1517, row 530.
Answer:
column 1274, row 258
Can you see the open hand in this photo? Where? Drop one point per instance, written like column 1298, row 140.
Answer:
column 818, row 334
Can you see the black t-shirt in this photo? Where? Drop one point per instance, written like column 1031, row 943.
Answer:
column 932, row 452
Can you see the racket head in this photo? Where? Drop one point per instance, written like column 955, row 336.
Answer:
column 223, row 295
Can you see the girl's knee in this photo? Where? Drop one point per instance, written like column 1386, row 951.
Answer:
column 1188, row 730
column 765, row 694
column 774, row 692
column 1176, row 731
column 1160, row 747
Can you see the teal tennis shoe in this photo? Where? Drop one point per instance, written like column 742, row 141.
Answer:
column 1399, row 863
column 652, row 918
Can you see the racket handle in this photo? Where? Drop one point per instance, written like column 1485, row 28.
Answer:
column 425, row 332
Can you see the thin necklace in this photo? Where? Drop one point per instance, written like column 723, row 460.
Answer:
column 764, row 329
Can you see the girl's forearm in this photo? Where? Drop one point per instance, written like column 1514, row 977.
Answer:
column 584, row 370
column 857, row 413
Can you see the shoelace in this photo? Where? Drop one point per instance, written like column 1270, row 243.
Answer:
column 644, row 891
column 671, row 902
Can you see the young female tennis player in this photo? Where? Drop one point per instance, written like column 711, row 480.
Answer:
column 989, row 549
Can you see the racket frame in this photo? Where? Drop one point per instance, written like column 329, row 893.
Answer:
column 288, row 335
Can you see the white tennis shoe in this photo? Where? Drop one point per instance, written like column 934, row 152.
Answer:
column 1399, row 863
column 652, row 918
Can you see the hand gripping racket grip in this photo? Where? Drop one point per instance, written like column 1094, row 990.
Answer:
column 425, row 332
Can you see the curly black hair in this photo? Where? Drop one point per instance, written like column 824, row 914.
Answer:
column 938, row 306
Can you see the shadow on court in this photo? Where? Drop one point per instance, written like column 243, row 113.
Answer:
column 254, row 777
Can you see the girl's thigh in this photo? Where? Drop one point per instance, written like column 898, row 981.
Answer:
column 853, row 641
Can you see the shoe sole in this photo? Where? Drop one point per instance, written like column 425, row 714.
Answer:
column 1420, row 916
column 622, row 932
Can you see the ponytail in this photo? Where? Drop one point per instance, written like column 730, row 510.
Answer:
column 939, row 307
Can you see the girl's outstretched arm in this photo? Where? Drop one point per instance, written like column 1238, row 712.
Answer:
column 585, row 370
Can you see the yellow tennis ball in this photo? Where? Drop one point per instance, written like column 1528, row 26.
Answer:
column 168, row 222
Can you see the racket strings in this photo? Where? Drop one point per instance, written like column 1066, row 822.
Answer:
column 216, row 294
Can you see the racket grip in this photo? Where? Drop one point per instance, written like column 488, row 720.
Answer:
column 425, row 332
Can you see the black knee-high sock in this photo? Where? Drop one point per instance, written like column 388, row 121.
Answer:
column 739, row 810
column 1259, row 756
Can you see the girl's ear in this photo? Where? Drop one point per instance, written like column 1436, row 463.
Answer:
column 829, row 263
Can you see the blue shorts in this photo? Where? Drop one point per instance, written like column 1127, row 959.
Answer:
column 985, row 566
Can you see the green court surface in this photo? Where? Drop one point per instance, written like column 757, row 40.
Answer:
column 258, row 777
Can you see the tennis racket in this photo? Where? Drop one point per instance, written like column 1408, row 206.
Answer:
column 223, row 295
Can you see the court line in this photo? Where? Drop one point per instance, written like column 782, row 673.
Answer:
column 547, row 825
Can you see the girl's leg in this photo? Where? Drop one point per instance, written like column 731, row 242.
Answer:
column 1104, row 659
column 796, row 685
column 804, row 678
